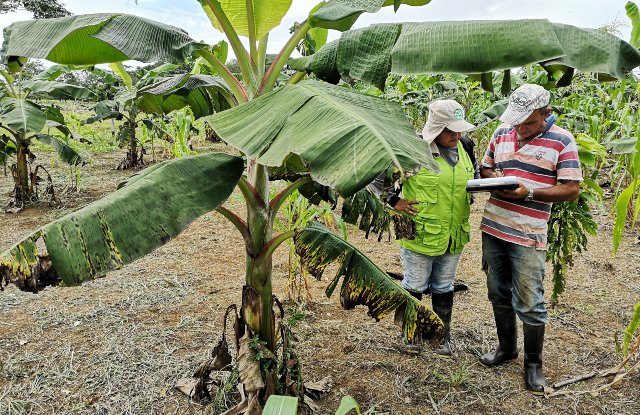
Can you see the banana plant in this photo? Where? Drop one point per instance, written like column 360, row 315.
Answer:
column 324, row 134
column 23, row 121
column 136, row 103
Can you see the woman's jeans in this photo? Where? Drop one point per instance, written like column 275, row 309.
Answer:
column 423, row 271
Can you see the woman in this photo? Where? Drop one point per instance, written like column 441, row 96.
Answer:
column 440, row 206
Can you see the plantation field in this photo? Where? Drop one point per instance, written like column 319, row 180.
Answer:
column 119, row 344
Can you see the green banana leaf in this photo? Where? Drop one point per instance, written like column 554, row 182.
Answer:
column 634, row 14
column 58, row 89
column 97, row 38
column 7, row 148
column 266, row 15
column 370, row 53
column 104, row 110
column 21, row 116
column 345, row 137
column 364, row 283
column 65, row 152
column 342, row 14
column 204, row 94
column 152, row 208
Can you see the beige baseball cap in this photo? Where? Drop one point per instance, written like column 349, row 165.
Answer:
column 523, row 101
column 445, row 113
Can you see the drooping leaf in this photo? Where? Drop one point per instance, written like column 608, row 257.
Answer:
column 364, row 283
column 97, row 38
column 104, row 110
column 7, row 148
column 65, row 152
column 58, row 89
column 119, row 69
column 347, row 138
column 152, row 208
column 21, row 116
column 204, row 94
column 468, row 47
column 634, row 14
column 625, row 145
column 622, row 204
column 342, row 14
column 281, row 405
column 267, row 14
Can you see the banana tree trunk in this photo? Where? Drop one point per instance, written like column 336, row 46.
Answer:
column 133, row 145
column 257, row 296
column 22, row 171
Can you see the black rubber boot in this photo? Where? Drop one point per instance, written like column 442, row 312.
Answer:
column 442, row 306
column 533, row 343
column 507, row 336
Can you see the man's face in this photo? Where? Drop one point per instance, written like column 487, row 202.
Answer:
column 532, row 125
column 448, row 138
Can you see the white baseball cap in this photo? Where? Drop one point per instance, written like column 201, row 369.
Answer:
column 523, row 101
column 445, row 113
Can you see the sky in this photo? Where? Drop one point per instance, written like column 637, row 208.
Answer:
column 188, row 15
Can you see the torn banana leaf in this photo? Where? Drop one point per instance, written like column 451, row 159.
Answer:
column 364, row 283
column 367, row 209
column 153, row 207
column 471, row 47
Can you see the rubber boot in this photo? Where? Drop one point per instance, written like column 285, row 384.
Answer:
column 507, row 336
column 405, row 345
column 442, row 306
column 533, row 343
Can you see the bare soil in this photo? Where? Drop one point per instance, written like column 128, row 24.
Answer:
column 119, row 344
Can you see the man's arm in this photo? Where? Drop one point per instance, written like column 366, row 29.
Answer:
column 565, row 191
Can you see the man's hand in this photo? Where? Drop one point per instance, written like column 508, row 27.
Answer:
column 406, row 206
column 520, row 193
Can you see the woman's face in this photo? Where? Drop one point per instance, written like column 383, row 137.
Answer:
column 448, row 138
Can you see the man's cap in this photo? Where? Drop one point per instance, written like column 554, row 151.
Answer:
column 445, row 113
column 523, row 101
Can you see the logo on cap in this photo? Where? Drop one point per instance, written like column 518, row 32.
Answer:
column 458, row 114
column 520, row 100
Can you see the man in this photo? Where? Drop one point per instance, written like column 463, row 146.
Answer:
column 439, row 204
column 544, row 158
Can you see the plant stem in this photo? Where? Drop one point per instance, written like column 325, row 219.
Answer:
column 274, row 243
column 244, row 60
column 251, row 24
column 297, row 77
column 262, row 54
column 236, row 87
column 237, row 221
column 276, row 203
column 270, row 78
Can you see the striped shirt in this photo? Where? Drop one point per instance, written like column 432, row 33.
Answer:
column 539, row 164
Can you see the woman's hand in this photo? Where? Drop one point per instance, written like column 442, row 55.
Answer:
column 406, row 206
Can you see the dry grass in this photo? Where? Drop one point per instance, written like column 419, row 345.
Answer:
column 119, row 344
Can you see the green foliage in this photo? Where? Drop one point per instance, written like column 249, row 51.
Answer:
column 631, row 330
column 569, row 226
column 41, row 9
column 296, row 212
column 634, row 15
column 288, row 405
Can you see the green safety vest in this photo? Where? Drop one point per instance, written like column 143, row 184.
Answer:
column 443, row 206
